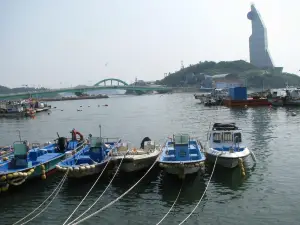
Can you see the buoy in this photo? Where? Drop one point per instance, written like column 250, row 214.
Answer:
column 3, row 178
column 44, row 177
column 15, row 174
column 42, row 167
column 9, row 176
column 5, row 188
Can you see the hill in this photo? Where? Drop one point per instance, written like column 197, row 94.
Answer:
column 6, row 90
column 251, row 76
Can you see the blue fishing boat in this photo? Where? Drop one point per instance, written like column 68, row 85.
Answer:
column 37, row 162
column 225, row 141
column 182, row 155
column 91, row 160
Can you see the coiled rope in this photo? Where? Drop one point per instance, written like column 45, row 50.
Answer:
column 121, row 196
column 87, row 192
column 203, row 192
column 59, row 186
column 172, row 205
column 102, row 192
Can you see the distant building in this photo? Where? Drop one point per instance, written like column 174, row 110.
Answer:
column 207, row 82
column 258, row 43
column 224, row 81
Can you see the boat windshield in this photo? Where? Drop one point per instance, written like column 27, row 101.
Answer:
column 217, row 137
column 237, row 137
column 227, row 137
column 181, row 139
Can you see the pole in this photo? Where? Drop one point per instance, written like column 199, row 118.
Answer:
column 100, row 131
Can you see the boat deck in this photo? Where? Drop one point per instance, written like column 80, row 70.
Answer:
column 188, row 153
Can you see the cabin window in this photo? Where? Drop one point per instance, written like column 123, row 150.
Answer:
column 217, row 137
column 227, row 136
column 237, row 137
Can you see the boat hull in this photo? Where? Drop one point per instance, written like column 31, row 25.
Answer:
column 182, row 171
column 226, row 159
column 133, row 163
column 85, row 171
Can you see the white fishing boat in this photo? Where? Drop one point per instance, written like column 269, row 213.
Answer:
column 136, row 158
column 225, row 141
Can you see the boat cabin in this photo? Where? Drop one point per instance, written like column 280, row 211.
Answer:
column 223, row 136
column 20, row 159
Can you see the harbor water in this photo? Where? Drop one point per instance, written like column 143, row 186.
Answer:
column 269, row 194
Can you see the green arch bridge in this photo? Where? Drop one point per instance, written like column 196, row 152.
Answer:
column 108, row 83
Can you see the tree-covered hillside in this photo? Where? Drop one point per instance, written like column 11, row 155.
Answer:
column 246, row 72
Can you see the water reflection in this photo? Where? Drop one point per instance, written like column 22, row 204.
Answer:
column 192, row 189
column 262, row 131
column 225, row 177
column 239, row 113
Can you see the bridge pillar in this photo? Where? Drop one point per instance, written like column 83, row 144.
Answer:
column 110, row 82
column 104, row 83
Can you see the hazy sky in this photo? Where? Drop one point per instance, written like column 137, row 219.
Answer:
column 57, row 43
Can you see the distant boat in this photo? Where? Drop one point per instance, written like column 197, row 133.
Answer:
column 225, row 141
column 182, row 155
column 36, row 162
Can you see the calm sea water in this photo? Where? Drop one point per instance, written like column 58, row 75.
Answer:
column 268, row 195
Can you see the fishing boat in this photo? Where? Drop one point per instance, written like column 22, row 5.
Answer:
column 225, row 141
column 182, row 155
column 91, row 160
column 15, row 109
column 135, row 159
column 39, row 161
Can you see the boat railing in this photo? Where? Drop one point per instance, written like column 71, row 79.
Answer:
column 108, row 139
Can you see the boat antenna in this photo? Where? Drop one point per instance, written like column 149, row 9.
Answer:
column 100, row 131
column 19, row 135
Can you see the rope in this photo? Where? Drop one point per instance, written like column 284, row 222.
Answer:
column 62, row 180
column 87, row 192
column 172, row 205
column 121, row 196
column 203, row 192
column 60, row 186
column 102, row 192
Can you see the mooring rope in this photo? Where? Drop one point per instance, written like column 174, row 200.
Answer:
column 59, row 186
column 121, row 196
column 203, row 192
column 87, row 192
column 172, row 205
column 102, row 192
column 62, row 180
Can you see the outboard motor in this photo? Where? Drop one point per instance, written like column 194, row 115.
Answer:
column 62, row 144
column 143, row 142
